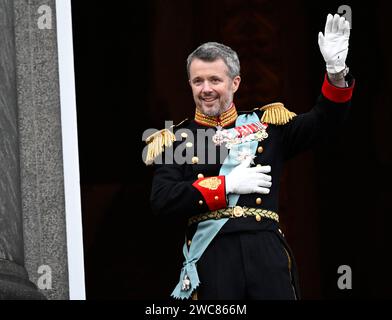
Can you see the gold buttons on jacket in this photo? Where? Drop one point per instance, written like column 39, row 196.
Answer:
column 201, row 202
column 184, row 135
column 200, row 176
column 189, row 145
column 259, row 201
column 258, row 218
column 195, row 160
column 259, row 165
column 216, row 198
column 260, row 149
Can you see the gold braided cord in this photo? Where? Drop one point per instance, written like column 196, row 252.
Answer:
column 276, row 113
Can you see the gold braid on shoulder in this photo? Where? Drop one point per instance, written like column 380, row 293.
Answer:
column 157, row 143
column 276, row 113
column 159, row 140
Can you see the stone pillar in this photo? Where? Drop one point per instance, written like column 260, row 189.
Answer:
column 14, row 281
column 33, row 242
column 41, row 154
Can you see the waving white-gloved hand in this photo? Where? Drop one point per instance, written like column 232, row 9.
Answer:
column 245, row 180
column 334, row 43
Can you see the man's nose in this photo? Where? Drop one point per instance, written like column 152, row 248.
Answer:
column 206, row 87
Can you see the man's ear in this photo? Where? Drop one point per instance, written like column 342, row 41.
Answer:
column 236, row 83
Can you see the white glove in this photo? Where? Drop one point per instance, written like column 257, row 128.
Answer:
column 334, row 43
column 245, row 180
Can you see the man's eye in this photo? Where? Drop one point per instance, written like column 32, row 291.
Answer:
column 215, row 80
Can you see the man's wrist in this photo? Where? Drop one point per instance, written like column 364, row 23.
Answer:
column 342, row 83
column 338, row 75
column 338, row 79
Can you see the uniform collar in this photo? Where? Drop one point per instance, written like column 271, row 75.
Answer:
column 225, row 119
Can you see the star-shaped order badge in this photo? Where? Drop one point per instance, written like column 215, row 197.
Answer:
column 246, row 154
column 256, row 131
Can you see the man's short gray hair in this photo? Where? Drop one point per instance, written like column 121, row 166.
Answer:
column 212, row 51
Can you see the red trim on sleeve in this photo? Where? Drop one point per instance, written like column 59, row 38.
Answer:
column 213, row 191
column 335, row 94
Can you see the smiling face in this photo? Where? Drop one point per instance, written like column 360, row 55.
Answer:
column 212, row 88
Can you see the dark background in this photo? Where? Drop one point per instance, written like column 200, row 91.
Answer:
column 335, row 201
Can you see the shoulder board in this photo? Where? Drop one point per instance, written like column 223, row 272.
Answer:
column 276, row 113
column 159, row 140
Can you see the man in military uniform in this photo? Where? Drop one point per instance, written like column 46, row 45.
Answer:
column 234, row 247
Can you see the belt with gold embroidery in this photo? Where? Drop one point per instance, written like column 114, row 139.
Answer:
column 235, row 212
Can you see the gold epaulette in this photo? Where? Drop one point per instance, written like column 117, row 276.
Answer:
column 158, row 141
column 276, row 113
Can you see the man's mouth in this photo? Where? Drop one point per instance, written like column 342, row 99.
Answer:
column 209, row 99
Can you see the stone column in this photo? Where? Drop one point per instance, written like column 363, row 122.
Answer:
column 33, row 242
column 40, row 143
column 14, row 281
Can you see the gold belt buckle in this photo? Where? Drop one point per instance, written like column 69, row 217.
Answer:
column 238, row 212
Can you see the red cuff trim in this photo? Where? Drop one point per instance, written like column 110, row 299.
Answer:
column 213, row 191
column 335, row 94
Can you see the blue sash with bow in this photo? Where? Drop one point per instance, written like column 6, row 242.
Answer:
column 207, row 230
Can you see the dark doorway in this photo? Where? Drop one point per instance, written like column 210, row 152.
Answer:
column 130, row 76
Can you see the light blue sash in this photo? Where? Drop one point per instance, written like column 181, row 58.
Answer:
column 207, row 230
